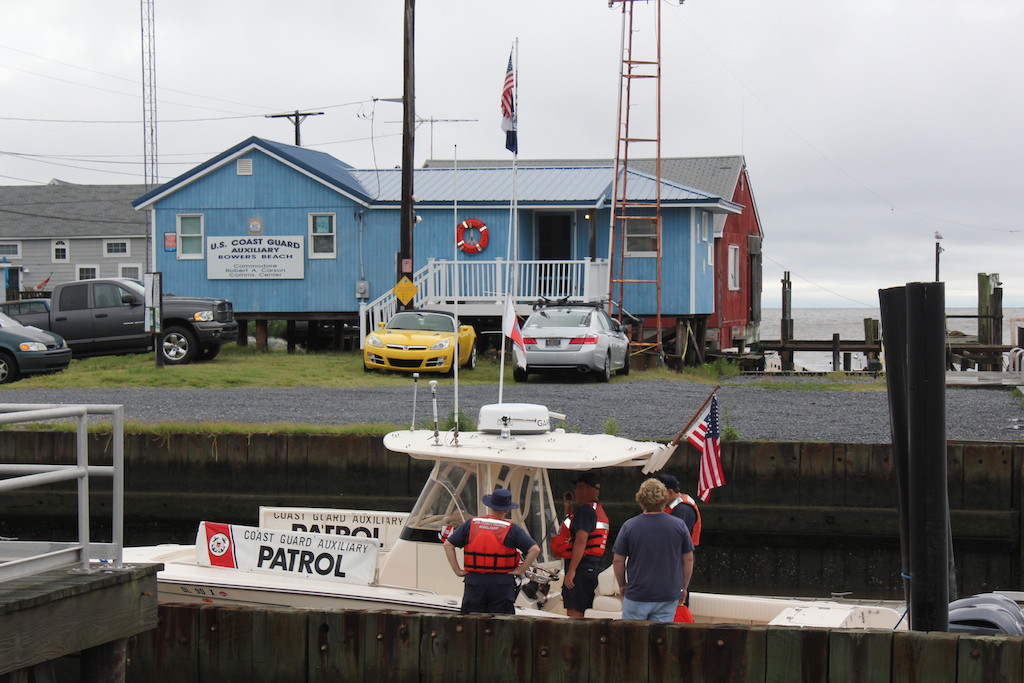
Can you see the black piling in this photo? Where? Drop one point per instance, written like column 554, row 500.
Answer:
column 917, row 405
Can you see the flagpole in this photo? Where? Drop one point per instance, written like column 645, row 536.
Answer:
column 455, row 291
column 510, row 123
column 693, row 419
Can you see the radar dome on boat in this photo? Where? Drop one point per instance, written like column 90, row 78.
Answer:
column 515, row 418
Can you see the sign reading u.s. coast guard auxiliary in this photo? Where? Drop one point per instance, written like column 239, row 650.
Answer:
column 348, row 559
column 256, row 257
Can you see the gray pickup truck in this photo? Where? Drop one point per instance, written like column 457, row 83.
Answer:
column 107, row 318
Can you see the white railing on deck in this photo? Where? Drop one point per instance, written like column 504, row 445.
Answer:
column 20, row 558
column 484, row 284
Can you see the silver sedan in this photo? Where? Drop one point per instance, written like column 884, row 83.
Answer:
column 574, row 337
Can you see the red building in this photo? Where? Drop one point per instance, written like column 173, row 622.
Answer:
column 737, row 316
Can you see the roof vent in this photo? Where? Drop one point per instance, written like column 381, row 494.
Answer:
column 244, row 167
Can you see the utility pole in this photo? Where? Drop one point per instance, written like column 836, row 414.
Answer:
column 296, row 117
column 405, row 254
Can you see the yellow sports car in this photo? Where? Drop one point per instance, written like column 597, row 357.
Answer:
column 419, row 341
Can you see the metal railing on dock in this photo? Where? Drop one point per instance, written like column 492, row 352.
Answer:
column 20, row 558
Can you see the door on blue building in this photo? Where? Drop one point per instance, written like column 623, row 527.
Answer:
column 554, row 245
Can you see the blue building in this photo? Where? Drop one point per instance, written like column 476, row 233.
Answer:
column 289, row 233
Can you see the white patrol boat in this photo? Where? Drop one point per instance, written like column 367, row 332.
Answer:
column 363, row 559
column 295, row 557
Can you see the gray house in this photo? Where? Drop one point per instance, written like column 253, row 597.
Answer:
column 61, row 232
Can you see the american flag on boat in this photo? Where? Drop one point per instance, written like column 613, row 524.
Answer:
column 705, row 433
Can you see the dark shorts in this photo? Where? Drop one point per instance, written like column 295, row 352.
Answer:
column 495, row 594
column 581, row 596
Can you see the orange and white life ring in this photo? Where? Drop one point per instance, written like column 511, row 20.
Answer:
column 464, row 244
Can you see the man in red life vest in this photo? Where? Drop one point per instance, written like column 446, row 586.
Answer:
column 581, row 541
column 491, row 547
column 682, row 506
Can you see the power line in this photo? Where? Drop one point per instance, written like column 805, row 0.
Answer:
column 162, row 121
column 72, row 219
column 134, row 122
column 128, row 80
column 812, row 282
column 81, row 168
column 884, row 200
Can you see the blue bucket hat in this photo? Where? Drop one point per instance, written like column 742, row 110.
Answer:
column 500, row 499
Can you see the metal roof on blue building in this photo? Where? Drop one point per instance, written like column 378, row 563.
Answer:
column 584, row 185
column 570, row 185
column 321, row 165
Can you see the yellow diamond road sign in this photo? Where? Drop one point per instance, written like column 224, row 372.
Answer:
column 405, row 290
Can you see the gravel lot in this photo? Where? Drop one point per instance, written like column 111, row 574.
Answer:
column 646, row 409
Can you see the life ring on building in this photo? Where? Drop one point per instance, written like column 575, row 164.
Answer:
column 471, row 247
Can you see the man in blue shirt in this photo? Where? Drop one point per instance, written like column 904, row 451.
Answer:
column 492, row 547
column 653, row 558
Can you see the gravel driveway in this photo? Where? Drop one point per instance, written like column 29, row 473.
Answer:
column 643, row 409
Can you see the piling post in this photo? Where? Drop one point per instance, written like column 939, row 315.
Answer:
column 913, row 328
column 893, row 304
column 786, row 333
column 871, row 335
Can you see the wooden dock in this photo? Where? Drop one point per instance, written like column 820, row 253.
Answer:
column 63, row 611
column 205, row 643
column 984, row 379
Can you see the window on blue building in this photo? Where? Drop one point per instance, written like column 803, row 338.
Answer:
column 321, row 235
column 641, row 237
column 190, row 236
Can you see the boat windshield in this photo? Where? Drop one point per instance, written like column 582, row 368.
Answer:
column 453, row 494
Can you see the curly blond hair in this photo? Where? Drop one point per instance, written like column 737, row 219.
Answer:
column 652, row 495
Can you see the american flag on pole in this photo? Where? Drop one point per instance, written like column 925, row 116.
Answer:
column 508, row 109
column 705, row 433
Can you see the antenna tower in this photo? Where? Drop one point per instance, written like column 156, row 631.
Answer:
column 150, row 176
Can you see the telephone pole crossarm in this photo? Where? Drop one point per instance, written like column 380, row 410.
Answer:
column 296, row 117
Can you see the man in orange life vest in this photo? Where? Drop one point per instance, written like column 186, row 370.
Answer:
column 491, row 547
column 581, row 541
column 682, row 506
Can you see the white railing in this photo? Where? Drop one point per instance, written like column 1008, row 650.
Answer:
column 20, row 558
column 481, row 287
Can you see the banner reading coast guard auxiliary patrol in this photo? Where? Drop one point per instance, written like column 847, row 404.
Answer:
column 255, row 258
column 315, row 556
column 384, row 526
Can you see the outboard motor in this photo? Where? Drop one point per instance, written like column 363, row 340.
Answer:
column 986, row 614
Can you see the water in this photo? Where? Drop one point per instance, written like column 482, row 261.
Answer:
column 822, row 323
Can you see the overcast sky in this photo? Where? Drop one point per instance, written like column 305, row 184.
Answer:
column 867, row 126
